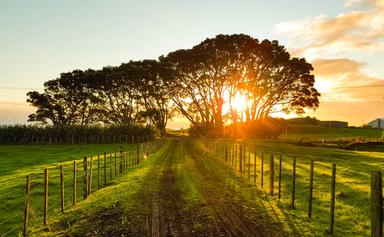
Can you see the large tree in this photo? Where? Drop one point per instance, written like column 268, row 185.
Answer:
column 154, row 78
column 213, row 72
column 117, row 87
column 67, row 100
column 205, row 73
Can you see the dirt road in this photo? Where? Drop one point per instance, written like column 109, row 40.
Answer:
column 181, row 195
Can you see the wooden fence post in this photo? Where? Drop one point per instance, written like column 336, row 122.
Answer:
column 235, row 158
column 26, row 208
column 280, row 164
column 98, row 171
column 244, row 160
column 254, row 168
column 226, row 153
column 216, row 150
column 90, row 176
column 230, row 155
column 262, row 170
column 293, row 183
column 233, row 155
column 74, row 184
column 249, row 164
column 130, row 158
column 333, row 190
column 110, row 165
column 138, row 153
column 115, row 164
column 45, row 197
column 241, row 159
column 85, row 178
column 272, row 174
column 223, row 151
column 310, row 190
column 127, row 158
column 376, row 204
column 105, row 169
column 121, row 161
column 62, row 188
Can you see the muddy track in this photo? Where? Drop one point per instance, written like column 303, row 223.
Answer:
column 234, row 218
column 158, row 207
column 167, row 203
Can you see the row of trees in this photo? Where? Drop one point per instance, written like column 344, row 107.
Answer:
column 196, row 83
column 74, row 134
column 130, row 94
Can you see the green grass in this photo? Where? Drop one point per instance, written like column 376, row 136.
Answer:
column 319, row 132
column 106, row 201
column 120, row 212
column 352, row 216
column 20, row 160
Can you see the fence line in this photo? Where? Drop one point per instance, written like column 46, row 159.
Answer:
column 377, row 210
column 50, row 193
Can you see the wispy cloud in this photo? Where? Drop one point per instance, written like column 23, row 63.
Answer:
column 369, row 3
column 354, row 30
column 344, row 79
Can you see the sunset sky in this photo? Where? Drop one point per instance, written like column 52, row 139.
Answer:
column 343, row 39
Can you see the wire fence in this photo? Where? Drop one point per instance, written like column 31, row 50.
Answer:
column 331, row 196
column 332, row 142
column 33, row 201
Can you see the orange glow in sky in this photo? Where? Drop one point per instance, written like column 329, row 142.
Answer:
column 343, row 40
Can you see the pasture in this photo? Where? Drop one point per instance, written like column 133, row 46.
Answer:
column 353, row 171
column 189, row 174
column 18, row 161
column 296, row 131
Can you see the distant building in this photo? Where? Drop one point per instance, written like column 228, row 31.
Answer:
column 337, row 124
column 313, row 121
column 306, row 121
column 377, row 123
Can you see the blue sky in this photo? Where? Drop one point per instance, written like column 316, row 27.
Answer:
column 40, row 39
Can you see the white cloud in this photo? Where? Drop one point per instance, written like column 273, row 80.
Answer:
column 355, row 30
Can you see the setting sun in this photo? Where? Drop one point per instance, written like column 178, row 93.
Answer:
column 239, row 102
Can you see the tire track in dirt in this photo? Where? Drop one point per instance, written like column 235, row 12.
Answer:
column 233, row 217
column 159, row 209
column 166, row 218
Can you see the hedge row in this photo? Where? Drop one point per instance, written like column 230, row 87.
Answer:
column 26, row 134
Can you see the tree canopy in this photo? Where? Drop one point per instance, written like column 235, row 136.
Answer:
column 200, row 83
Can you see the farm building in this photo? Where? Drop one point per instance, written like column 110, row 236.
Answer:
column 313, row 121
column 337, row 124
column 377, row 123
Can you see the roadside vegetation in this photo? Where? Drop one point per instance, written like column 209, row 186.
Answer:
column 186, row 188
column 18, row 161
column 174, row 193
column 298, row 131
column 352, row 213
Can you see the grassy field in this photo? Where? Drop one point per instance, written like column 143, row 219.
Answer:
column 331, row 133
column 194, row 184
column 20, row 160
column 106, row 204
column 352, row 215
